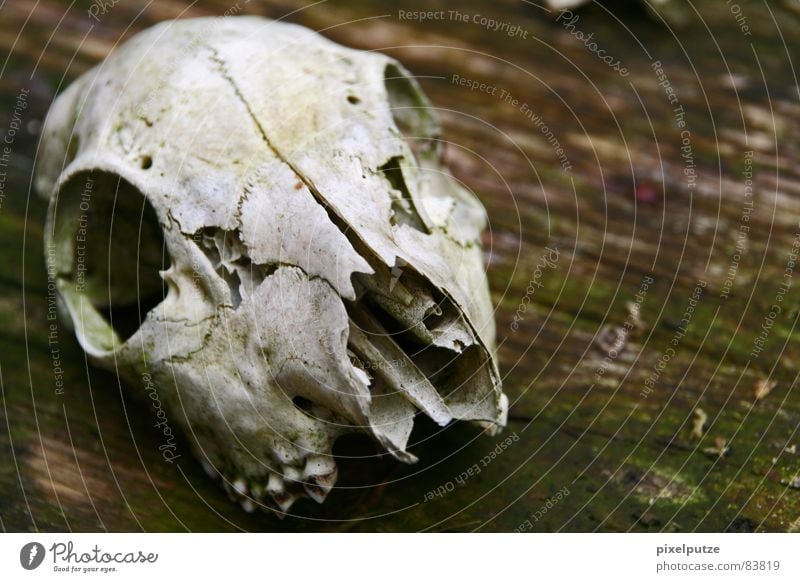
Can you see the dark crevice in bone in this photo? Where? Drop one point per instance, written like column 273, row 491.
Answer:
column 231, row 262
column 419, row 309
column 403, row 208
column 464, row 382
column 411, row 112
column 419, row 328
column 382, row 355
column 419, row 128
column 303, row 404
column 354, row 238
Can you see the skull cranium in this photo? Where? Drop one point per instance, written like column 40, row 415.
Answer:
column 313, row 268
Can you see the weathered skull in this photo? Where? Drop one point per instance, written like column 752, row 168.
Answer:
column 320, row 271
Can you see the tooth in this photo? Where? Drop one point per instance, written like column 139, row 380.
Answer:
column 292, row 473
column 275, row 485
column 319, row 465
column 319, row 477
column 240, row 487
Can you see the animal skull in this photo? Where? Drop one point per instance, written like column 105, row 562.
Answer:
column 320, row 271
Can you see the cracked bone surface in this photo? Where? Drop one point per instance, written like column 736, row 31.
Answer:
column 253, row 223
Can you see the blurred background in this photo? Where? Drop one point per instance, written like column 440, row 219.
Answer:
column 640, row 172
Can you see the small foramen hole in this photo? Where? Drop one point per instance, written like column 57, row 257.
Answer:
column 302, row 403
column 353, row 99
column 146, row 163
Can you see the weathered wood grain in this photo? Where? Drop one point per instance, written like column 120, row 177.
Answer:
column 87, row 458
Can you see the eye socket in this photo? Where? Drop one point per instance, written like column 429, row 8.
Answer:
column 411, row 109
column 107, row 249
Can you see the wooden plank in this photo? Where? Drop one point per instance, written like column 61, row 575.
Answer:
column 619, row 442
